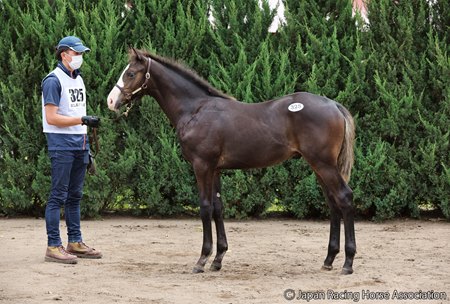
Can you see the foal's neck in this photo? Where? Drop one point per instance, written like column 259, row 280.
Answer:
column 177, row 96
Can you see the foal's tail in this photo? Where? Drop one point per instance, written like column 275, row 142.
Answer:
column 346, row 157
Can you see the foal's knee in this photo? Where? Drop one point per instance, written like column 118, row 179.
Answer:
column 217, row 212
column 206, row 211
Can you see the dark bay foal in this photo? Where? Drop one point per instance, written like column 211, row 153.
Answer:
column 217, row 132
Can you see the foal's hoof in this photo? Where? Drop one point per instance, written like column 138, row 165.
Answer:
column 345, row 271
column 215, row 266
column 198, row 269
column 327, row 268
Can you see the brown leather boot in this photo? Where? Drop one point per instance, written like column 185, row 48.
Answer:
column 81, row 250
column 58, row 254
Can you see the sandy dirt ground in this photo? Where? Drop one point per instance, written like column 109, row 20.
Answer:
column 269, row 261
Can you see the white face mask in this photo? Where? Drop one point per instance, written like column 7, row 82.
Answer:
column 76, row 62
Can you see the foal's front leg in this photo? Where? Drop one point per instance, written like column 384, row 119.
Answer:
column 204, row 181
column 222, row 244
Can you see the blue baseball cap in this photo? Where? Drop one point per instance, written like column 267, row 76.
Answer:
column 73, row 43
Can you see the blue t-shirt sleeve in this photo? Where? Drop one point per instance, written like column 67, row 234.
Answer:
column 51, row 90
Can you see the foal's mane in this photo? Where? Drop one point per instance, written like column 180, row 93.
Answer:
column 185, row 72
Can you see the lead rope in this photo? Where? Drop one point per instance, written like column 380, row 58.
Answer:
column 91, row 169
column 97, row 146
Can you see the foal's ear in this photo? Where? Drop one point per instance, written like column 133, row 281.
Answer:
column 136, row 54
column 133, row 53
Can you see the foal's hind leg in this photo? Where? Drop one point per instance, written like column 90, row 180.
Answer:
column 335, row 234
column 335, row 228
column 342, row 195
column 222, row 245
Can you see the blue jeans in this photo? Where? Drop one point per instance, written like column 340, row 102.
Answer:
column 68, row 171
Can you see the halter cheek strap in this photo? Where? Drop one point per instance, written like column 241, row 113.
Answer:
column 129, row 96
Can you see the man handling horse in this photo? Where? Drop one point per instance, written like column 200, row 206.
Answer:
column 65, row 125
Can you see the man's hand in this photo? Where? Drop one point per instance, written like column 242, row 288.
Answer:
column 91, row 121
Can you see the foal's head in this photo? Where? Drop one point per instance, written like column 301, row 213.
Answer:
column 133, row 82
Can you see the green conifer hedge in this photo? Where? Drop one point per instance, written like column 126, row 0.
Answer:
column 392, row 73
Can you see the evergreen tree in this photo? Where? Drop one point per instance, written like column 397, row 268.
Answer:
column 22, row 143
column 319, row 32
column 397, row 38
column 432, row 160
column 321, row 38
column 393, row 74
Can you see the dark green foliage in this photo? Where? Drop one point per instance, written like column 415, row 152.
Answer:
column 405, row 89
column 393, row 74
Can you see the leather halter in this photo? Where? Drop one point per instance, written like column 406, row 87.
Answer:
column 129, row 96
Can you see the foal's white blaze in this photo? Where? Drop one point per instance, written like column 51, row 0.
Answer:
column 115, row 92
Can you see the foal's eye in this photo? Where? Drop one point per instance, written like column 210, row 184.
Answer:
column 130, row 74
